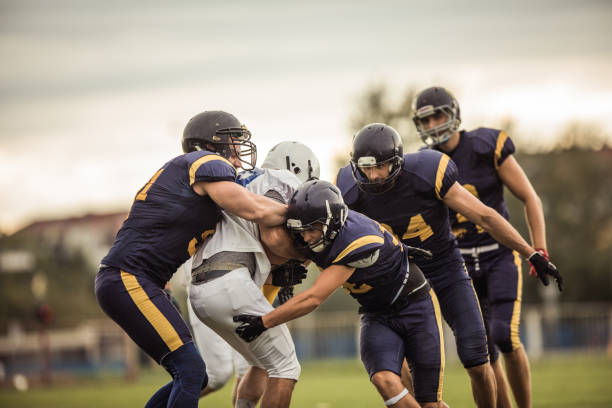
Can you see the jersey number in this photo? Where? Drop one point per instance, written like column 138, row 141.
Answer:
column 356, row 288
column 142, row 195
column 461, row 218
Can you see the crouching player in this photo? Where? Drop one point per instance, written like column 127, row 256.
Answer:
column 400, row 313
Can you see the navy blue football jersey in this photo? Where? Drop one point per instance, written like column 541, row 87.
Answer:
column 379, row 258
column 478, row 156
column 168, row 219
column 413, row 208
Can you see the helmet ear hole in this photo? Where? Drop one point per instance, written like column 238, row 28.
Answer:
column 295, row 157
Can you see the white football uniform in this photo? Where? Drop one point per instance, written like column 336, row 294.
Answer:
column 217, row 301
column 221, row 359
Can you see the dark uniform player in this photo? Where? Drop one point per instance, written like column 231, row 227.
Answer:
column 400, row 313
column 410, row 195
column 485, row 164
column 174, row 212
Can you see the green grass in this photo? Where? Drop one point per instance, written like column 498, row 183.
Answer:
column 565, row 381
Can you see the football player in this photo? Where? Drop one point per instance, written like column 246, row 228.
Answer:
column 400, row 313
column 410, row 195
column 171, row 214
column 485, row 165
column 229, row 272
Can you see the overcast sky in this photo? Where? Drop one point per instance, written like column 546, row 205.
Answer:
column 94, row 94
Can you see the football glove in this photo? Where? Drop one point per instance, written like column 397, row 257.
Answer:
column 284, row 294
column 288, row 274
column 532, row 270
column 250, row 327
column 544, row 267
column 420, row 252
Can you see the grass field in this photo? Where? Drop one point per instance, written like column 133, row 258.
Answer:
column 567, row 381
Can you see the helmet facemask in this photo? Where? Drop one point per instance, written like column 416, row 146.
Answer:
column 442, row 133
column 236, row 142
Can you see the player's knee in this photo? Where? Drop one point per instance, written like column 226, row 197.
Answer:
column 472, row 349
column 387, row 383
column 289, row 369
column 219, row 375
column 187, row 368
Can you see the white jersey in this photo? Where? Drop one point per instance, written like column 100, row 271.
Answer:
column 239, row 235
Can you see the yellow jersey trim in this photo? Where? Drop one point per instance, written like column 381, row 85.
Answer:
column 440, row 174
column 501, row 140
column 204, row 159
column 358, row 243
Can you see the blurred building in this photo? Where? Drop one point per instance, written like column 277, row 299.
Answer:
column 91, row 234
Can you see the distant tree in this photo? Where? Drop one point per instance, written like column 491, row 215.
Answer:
column 377, row 103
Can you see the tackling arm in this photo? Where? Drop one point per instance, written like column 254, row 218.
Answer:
column 329, row 280
column 239, row 201
column 305, row 302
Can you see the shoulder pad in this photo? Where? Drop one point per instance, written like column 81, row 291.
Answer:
column 347, row 185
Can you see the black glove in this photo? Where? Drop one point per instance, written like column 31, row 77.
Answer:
column 250, row 328
column 420, row 252
column 544, row 267
column 288, row 274
column 284, row 294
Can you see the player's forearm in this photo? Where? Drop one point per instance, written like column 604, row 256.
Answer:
column 267, row 212
column 278, row 243
column 534, row 216
column 505, row 233
column 298, row 306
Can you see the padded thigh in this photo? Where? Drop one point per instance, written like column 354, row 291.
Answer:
column 461, row 311
column 142, row 308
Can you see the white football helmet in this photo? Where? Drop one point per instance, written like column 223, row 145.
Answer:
column 295, row 157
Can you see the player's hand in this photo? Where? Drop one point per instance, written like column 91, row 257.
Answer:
column 250, row 327
column 284, row 294
column 289, row 274
column 420, row 252
column 532, row 270
column 544, row 267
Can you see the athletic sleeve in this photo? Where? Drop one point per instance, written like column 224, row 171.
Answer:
column 493, row 145
column 504, row 147
column 211, row 167
column 347, row 185
column 360, row 252
column 436, row 171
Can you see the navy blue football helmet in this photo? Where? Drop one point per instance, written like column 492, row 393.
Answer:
column 436, row 101
column 222, row 133
column 315, row 203
column 376, row 144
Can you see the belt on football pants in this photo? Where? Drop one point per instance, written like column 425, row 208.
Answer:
column 406, row 296
column 474, row 252
column 221, row 264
